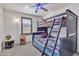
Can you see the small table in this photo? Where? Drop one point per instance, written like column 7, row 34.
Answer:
column 7, row 44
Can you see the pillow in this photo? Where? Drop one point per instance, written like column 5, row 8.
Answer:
column 44, row 35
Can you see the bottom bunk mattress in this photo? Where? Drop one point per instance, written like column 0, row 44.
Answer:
column 40, row 46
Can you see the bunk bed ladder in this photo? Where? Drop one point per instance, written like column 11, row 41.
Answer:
column 47, row 38
column 56, row 38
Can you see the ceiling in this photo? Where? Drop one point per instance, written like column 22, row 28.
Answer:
column 20, row 7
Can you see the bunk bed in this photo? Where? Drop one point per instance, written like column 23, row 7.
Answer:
column 39, row 38
column 40, row 42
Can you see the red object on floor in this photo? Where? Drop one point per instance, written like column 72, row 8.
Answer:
column 22, row 39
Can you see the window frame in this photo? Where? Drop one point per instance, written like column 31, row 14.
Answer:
column 22, row 25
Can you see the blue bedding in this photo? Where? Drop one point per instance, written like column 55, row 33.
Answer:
column 40, row 46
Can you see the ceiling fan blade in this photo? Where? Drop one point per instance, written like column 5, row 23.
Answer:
column 44, row 9
column 33, row 6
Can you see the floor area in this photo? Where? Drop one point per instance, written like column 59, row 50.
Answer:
column 21, row 50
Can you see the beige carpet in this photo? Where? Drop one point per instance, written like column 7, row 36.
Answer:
column 21, row 50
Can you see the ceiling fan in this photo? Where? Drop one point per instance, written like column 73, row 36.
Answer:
column 39, row 6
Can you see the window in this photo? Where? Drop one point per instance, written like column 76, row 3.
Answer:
column 26, row 25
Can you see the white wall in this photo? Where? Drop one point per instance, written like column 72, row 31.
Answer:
column 1, row 27
column 11, row 27
column 72, row 7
